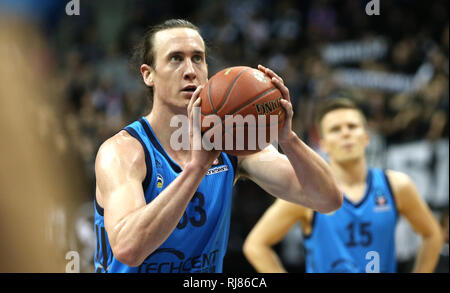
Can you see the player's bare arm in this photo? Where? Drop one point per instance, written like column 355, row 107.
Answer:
column 135, row 229
column 416, row 211
column 271, row 229
column 300, row 176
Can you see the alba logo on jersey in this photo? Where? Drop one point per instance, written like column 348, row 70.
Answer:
column 159, row 181
column 381, row 202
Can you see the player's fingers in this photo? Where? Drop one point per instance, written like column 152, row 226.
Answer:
column 197, row 92
column 194, row 116
column 192, row 106
column 283, row 89
column 288, row 108
column 194, row 125
column 196, row 113
column 270, row 72
column 261, row 68
column 193, row 99
column 189, row 113
column 189, row 109
column 273, row 74
column 197, row 103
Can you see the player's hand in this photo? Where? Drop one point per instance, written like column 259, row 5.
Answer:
column 199, row 155
column 286, row 131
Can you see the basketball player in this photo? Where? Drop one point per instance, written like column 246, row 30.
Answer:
column 359, row 237
column 160, row 210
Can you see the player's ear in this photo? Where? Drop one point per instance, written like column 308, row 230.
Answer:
column 147, row 74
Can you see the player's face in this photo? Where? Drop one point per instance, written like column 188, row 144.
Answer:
column 180, row 65
column 344, row 136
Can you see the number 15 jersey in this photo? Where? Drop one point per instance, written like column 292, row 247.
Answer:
column 199, row 241
column 357, row 238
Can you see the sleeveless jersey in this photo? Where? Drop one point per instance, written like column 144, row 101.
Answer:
column 358, row 237
column 199, row 241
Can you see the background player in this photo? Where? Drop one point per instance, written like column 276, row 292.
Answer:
column 159, row 210
column 344, row 241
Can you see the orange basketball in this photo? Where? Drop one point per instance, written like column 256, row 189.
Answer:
column 244, row 99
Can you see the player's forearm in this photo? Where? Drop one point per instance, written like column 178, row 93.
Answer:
column 314, row 176
column 263, row 258
column 143, row 231
column 428, row 254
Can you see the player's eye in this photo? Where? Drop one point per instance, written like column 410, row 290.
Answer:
column 176, row 58
column 334, row 129
column 197, row 58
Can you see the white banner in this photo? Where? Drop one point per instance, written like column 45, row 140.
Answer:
column 428, row 166
column 385, row 81
column 354, row 51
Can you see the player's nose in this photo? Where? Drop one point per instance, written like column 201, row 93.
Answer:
column 189, row 71
column 345, row 131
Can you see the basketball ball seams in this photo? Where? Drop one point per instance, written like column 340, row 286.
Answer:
column 230, row 88
column 210, row 98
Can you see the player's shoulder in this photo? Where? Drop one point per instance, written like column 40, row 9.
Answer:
column 398, row 180
column 121, row 149
column 402, row 186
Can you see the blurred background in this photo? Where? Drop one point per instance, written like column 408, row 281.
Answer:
column 395, row 66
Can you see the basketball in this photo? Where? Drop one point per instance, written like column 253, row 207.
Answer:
column 249, row 108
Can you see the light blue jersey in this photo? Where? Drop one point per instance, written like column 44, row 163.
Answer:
column 199, row 242
column 357, row 236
